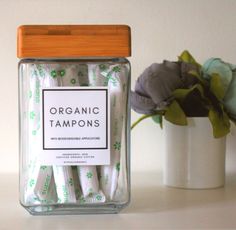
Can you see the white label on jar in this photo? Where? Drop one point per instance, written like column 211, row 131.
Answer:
column 75, row 126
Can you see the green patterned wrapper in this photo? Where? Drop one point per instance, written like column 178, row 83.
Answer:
column 93, row 198
column 116, row 76
column 39, row 177
column 43, row 182
column 98, row 197
column 63, row 175
column 87, row 174
column 64, row 181
column 88, row 180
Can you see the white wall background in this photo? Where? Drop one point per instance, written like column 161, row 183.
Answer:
column 161, row 29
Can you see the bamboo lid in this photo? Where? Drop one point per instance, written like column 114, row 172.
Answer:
column 48, row 41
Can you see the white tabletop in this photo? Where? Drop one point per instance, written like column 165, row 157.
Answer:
column 153, row 206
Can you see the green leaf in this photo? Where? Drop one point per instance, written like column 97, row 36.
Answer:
column 175, row 114
column 157, row 119
column 181, row 94
column 187, row 57
column 220, row 123
column 216, row 86
column 159, row 112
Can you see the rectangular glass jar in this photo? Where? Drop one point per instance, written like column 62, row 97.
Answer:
column 74, row 119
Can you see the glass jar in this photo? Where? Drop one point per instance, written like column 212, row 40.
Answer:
column 74, row 84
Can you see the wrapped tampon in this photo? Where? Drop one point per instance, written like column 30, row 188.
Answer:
column 88, row 179
column 117, row 86
column 92, row 198
column 61, row 75
column 64, row 181
column 39, row 176
column 33, row 121
column 87, row 174
column 77, row 75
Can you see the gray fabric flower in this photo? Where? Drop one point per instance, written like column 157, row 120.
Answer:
column 154, row 87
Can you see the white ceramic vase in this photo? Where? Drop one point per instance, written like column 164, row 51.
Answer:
column 194, row 159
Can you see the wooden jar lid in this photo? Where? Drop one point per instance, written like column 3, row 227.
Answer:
column 70, row 41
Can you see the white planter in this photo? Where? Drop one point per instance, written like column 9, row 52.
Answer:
column 194, row 159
